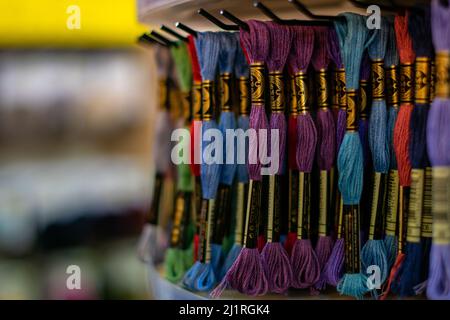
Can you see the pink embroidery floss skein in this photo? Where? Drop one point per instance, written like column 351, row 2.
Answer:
column 326, row 141
column 438, row 287
column 304, row 262
column 275, row 259
column 246, row 275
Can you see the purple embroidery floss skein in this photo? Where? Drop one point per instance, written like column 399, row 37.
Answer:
column 438, row 287
column 227, row 121
column 274, row 257
column 333, row 268
column 410, row 273
column 247, row 273
column 354, row 39
column 374, row 250
column 391, row 62
column 152, row 240
column 326, row 141
column 304, row 262
column 242, row 75
column 201, row 276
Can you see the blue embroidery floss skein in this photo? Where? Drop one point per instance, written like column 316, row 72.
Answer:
column 247, row 273
column 354, row 39
column 391, row 62
column 201, row 276
column 438, row 287
column 227, row 121
column 242, row 75
column 374, row 251
column 410, row 274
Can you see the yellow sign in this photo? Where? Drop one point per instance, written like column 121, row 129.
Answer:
column 69, row 23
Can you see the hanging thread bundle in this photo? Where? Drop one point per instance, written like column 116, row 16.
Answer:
column 374, row 250
column 274, row 257
column 247, row 273
column 242, row 75
column 438, row 150
column 326, row 141
column 354, row 39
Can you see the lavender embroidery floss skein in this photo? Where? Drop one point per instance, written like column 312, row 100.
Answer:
column 438, row 287
column 247, row 273
column 326, row 141
column 274, row 257
column 304, row 262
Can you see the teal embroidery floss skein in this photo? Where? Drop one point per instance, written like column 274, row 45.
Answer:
column 355, row 39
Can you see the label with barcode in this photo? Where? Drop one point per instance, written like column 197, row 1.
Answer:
column 293, row 200
column 304, row 205
column 427, row 215
column 415, row 205
column 209, row 229
column 271, row 208
column 378, row 206
column 252, row 215
column 323, row 203
column 392, row 204
column 351, row 238
column 440, row 205
column 239, row 213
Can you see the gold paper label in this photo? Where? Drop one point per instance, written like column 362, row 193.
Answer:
column 422, row 80
column 244, row 106
column 276, row 86
column 340, row 217
column 210, row 224
column 352, row 117
column 442, row 74
column 163, row 93
column 252, row 216
column 257, row 83
column 377, row 70
column 293, row 94
column 362, row 97
column 427, row 215
column 373, row 213
column 197, row 100
column 415, row 205
column 406, row 79
column 301, row 86
column 207, row 100
column 185, row 101
column 323, row 204
column 341, row 89
column 322, row 88
column 392, row 209
column 225, row 84
column 177, row 220
column 392, row 92
column 441, row 219
column 432, row 81
column 239, row 213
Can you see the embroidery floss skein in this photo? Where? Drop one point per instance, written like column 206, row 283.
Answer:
column 227, row 121
column 242, row 74
column 275, row 259
column 354, row 38
column 402, row 137
column 410, row 273
column 326, row 141
column 438, row 287
column 304, row 262
column 374, row 251
column 391, row 62
column 196, row 100
column 247, row 273
column 152, row 240
column 201, row 276
column 333, row 267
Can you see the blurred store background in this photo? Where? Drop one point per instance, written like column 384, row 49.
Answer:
column 75, row 149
